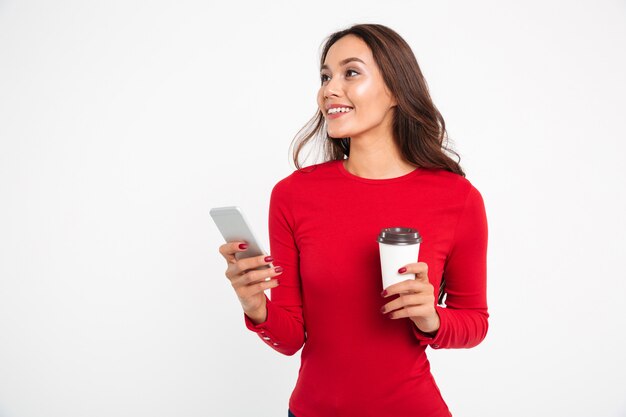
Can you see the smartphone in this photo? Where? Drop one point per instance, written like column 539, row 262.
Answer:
column 233, row 225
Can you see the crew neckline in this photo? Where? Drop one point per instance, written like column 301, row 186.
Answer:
column 348, row 174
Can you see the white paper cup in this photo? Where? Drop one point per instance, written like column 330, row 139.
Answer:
column 398, row 246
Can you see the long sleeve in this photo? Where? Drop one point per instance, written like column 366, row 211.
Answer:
column 464, row 319
column 283, row 329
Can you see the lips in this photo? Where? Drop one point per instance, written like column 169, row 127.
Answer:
column 332, row 106
column 338, row 114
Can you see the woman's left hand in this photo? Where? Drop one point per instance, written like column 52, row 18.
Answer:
column 416, row 300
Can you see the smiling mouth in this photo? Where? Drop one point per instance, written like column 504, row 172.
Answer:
column 336, row 112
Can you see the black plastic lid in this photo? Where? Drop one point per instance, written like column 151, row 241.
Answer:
column 399, row 236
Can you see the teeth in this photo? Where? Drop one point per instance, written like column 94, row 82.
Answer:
column 339, row 110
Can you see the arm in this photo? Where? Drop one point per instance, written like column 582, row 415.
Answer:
column 283, row 328
column 463, row 322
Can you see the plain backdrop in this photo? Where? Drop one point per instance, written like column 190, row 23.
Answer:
column 123, row 122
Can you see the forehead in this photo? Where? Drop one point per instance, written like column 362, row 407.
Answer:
column 348, row 46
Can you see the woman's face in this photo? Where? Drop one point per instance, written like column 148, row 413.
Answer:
column 350, row 78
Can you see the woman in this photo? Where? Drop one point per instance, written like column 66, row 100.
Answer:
column 364, row 351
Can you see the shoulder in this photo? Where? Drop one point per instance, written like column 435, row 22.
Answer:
column 306, row 175
column 468, row 195
column 449, row 188
column 454, row 183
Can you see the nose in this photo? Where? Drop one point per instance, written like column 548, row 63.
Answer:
column 332, row 88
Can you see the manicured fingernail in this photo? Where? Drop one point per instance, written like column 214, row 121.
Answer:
column 243, row 246
column 382, row 309
column 268, row 259
column 402, row 270
column 384, row 293
column 278, row 269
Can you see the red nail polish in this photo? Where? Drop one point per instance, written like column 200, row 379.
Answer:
column 278, row 269
column 268, row 259
column 243, row 246
column 384, row 293
column 402, row 270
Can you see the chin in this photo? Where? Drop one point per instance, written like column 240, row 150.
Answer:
column 338, row 135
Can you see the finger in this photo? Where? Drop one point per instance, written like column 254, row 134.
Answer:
column 422, row 310
column 409, row 286
column 407, row 300
column 251, row 290
column 406, row 286
column 255, row 276
column 254, row 262
column 420, row 269
column 241, row 266
column 229, row 249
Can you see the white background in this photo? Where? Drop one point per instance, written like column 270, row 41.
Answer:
column 122, row 123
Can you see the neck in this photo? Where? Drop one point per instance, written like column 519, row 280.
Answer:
column 376, row 157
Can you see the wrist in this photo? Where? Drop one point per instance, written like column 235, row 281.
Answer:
column 428, row 325
column 259, row 315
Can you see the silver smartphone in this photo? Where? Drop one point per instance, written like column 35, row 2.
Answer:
column 233, row 225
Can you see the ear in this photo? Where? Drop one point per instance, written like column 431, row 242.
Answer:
column 394, row 103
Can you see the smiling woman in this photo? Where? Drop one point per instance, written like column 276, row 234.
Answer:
column 375, row 67
column 364, row 346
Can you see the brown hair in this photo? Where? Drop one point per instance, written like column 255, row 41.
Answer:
column 418, row 128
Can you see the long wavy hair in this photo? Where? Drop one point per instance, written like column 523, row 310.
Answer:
column 418, row 128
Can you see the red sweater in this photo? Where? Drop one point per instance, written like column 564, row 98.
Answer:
column 323, row 226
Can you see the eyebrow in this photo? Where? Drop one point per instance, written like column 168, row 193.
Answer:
column 344, row 62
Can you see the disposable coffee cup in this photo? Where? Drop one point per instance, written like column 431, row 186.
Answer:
column 398, row 246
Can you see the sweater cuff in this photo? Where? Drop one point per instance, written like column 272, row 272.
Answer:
column 263, row 330
column 434, row 341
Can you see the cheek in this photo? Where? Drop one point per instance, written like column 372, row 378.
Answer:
column 361, row 93
column 371, row 98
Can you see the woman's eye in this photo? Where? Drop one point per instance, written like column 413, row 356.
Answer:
column 325, row 77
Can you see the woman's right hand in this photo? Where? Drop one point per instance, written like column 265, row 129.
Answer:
column 249, row 283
